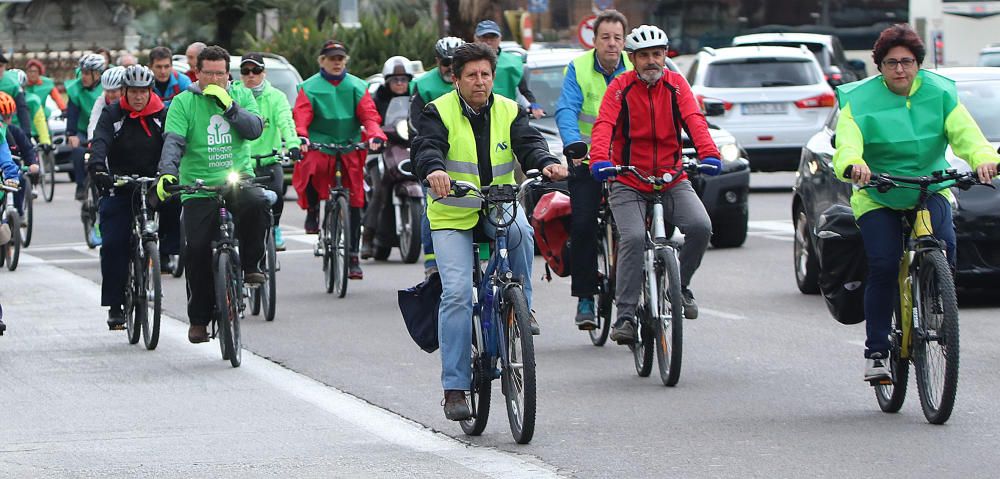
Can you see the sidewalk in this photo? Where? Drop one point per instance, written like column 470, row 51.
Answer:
column 76, row 400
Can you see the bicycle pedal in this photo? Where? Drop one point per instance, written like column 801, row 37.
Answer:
column 880, row 382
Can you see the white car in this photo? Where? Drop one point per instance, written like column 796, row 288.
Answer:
column 772, row 99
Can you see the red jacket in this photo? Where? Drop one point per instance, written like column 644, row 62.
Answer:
column 636, row 126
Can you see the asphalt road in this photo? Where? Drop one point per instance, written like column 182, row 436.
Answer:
column 771, row 384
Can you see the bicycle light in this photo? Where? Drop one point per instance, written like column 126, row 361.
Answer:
column 233, row 178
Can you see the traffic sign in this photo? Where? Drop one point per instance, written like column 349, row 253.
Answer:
column 585, row 31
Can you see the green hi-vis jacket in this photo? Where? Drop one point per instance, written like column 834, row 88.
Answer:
column 334, row 118
column 430, row 86
column 592, row 85
column 510, row 69
column 84, row 99
column 278, row 124
column 462, row 162
column 904, row 136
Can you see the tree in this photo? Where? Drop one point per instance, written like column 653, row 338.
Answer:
column 463, row 15
column 228, row 14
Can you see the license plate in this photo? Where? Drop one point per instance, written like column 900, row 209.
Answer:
column 764, row 108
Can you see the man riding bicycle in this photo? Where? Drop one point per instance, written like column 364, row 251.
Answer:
column 587, row 78
column 39, row 127
column 332, row 107
column 83, row 93
column 10, row 85
column 208, row 133
column 111, row 84
column 168, row 83
column 473, row 135
column 900, row 123
column 128, row 140
column 19, row 144
column 10, row 174
column 640, row 125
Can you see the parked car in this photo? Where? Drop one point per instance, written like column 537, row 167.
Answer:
column 989, row 56
column 837, row 69
column 724, row 196
column 976, row 218
column 772, row 99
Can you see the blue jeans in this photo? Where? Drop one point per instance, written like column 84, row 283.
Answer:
column 430, row 260
column 455, row 261
column 882, row 232
column 76, row 155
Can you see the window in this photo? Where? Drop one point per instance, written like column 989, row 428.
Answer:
column 982, row 98
column 692, row 72
column 761, row 72
column 546, row 83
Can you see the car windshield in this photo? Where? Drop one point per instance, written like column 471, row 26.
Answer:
column 815, row 48
column 280, row 78
column 982, row 98
column 761, row 72
column 989, row 59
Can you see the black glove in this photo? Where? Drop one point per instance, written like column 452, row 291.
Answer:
column 294, row 154
column 102, row 180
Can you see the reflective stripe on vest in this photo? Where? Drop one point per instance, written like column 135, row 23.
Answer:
column 462, row 163
column 592, row 85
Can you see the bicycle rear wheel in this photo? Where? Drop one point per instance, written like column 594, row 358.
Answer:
column 135, row 307
column 269, row 290
column 605, row 288
column 88, row 214
column 936, row 344
column 642, row 348
column 338, row 227
column 29, row 215
column 178, row 269
column 12, row 251
column 152, row 295
column 48, row 175
column 480, row 395
column 227, row 298
column 891, row 396
column 519, row 373
column 669, row 321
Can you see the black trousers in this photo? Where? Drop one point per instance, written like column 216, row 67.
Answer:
column 585, row 199
column 276, row 185
column 201, row 226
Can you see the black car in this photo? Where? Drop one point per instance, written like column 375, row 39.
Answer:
column 977, row 217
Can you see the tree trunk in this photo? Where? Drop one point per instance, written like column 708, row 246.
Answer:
column 226, row 23
column 463, row 15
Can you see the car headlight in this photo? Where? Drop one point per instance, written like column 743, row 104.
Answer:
column 403, row 129
column 730, row 152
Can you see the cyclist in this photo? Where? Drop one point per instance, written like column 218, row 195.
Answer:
column 208, row 133
column 279, row 131
column 396, row 76
column 587, row 78
column 510, row 77
column 9, row 85
column 192, row 58
column 83, row 93
column 429, row 87
column 39, row 122
column 332, row 107
column 111, row 84
column 168, row 82
column 127, row 60
column 876, row 134
column 128, row 140
column 473, row 135
column 637, row 126
column 11, row 175
column 41, row 85
column 19, row 144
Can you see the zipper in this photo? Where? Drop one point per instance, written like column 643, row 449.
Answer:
column 652, row 121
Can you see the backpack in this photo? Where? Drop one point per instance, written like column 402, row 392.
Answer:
column 843, row 265
column 551, row 221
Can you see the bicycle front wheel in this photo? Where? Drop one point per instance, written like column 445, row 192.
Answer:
column 669, row 320
column 269, row 290
column 153, row 295
column 48, row 174
column 936, row 338
column 12, row 251
column 29, row 215
column 518, row 374
column 88, row 214
column 227, row 298
column 135, row 308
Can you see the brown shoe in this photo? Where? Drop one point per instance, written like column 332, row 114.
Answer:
column 198, row 333
column 254, row 278
column 455, row 406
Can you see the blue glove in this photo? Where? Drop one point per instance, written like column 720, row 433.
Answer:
column 595, row 170
column 710, row 162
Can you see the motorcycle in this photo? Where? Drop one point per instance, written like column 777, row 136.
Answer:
column 395, row 197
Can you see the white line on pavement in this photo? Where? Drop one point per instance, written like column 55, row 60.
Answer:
column 722, row 314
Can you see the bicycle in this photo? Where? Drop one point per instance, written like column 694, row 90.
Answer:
column 143, row 293
column 230, row 290
column 89, row 214
column 47, row 171
column 502, row 345
column 10, row 253
column 924, row 328
column 27, row 206
column 660, row 310
column 334, row 239
column 266, row 297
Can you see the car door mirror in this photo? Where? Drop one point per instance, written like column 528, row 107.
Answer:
column 858, row 67
column 714, row 108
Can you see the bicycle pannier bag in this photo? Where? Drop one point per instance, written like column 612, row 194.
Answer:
column 419, row 306
column 842, row 264
column 551, row 221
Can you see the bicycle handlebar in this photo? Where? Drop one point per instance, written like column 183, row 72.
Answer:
column 884, row 182
column 339, row 148
column 689, row 165
column 200, row 186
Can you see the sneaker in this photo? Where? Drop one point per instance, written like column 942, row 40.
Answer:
column 354, row 269
column 533, row 325
column 254, row 277
column 876, row 369
column 166, row 267
column 116, row 319
column 623, row 331
column 312, row 221
column 198, row 333
column 367, row 250
column 690, row 307
column 456, row 408
column 586, row 319
column 279, row 242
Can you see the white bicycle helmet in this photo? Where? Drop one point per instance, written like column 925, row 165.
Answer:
column 22, row 78
column 645, row 36
column 397, row 65
column 92, row 62
column 111, row 79
column 138, row 76
column 445, row 47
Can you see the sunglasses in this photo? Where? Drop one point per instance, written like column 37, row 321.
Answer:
column 445, row 62
column 254, row 70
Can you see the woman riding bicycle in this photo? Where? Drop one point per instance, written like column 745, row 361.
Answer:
column 900, row 123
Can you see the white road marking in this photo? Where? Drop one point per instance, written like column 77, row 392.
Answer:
column 722, row 314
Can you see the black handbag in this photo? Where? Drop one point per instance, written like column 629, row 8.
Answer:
column 419, row 306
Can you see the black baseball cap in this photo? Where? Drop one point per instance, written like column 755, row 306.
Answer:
column 333, row 48
column 253, row 57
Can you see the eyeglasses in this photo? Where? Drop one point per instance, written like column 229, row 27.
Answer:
column 254, row 70
column 398, row 79
column 212, row 74
column 892, row 63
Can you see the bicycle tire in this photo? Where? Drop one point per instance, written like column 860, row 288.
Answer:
column 605, row 288
column 29, row 215
column 178, row 269
column 340, row 241
column 891, row 396
column 669, row 323
column 520, row 392
column 88, row 214
column 410, row 246
column 227, row 307
column 642, row 348
column 48, row 175
column 255, row 301
column 136, row 310
column 938, row 325
column 269, row 291
column 13, row 248
column 480, row 393
column 326, row 242
column 153, row 295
